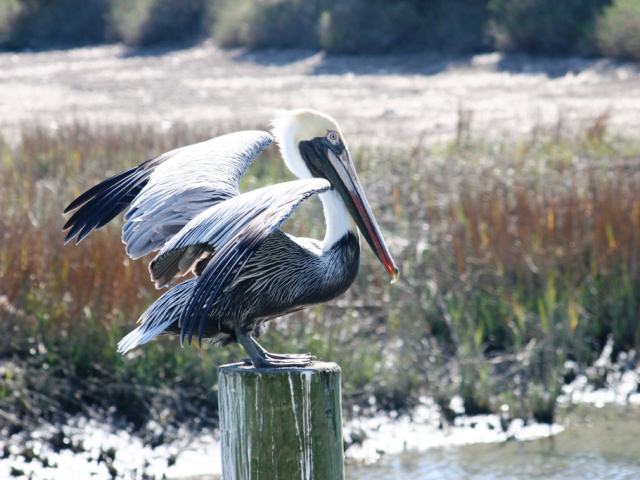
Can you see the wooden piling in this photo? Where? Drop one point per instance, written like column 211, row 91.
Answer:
column 283, row 423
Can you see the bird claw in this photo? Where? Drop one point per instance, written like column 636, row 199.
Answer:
column 271, row 360
column 287, row 356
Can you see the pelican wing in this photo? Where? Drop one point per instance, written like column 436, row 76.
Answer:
column 163, row 194
column 233, row 230
column 159, row 316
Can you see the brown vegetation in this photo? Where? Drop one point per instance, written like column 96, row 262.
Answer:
column 514, row 257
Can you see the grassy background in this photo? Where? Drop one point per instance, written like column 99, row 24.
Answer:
column 515, row 258
column 604, row 27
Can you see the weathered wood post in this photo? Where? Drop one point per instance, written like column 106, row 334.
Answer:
column 283, row 423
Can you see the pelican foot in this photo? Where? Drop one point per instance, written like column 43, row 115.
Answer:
column 261, row 358
column 282, row 361
column 298, row 356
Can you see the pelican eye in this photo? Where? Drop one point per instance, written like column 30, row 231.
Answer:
column 333, row 137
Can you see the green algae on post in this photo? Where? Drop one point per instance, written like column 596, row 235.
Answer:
column 281, row 423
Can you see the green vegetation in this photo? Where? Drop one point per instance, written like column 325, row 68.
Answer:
column 146, row 22
column 9, row 9
column 515, row 257
column 32, row 23
column 607, row 27
column 276, row 24
column 545, row 26
column 618, row 31
column 359, row 26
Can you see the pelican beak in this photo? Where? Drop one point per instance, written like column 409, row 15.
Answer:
column 334, row 163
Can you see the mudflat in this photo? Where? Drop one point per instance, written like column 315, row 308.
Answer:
column 389, row 99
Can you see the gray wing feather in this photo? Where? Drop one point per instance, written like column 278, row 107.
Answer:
column 159, row 316
column 233, row 229
column 186, row 182
column 164, row 193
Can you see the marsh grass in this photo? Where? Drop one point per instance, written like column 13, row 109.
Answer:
column 515, row 257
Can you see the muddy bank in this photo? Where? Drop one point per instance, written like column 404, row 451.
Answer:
column 90, row 448
column 379, row 99
column 104, row 449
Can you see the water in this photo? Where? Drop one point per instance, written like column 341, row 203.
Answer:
column 597, row 444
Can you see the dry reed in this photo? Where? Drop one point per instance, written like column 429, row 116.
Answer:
column 509, row 251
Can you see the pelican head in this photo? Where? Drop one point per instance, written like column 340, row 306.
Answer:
column 312, row 145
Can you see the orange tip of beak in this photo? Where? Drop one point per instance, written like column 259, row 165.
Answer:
column 395, row 275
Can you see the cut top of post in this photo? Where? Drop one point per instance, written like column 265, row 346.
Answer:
column 245, row 368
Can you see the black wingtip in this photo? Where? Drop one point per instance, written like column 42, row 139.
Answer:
column 101, row 203
column 67, row 224
column 190, row 337
column 81, row 199
column 200, row 333
column 100, row 188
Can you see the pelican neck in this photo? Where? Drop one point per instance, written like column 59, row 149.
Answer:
column 337, row 219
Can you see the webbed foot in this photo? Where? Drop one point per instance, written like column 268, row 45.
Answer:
column 276, row 360
column 261, row 358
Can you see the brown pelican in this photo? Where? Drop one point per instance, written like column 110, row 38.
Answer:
column 185, row 204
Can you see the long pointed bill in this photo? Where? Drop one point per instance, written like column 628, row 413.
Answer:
column 353, row 195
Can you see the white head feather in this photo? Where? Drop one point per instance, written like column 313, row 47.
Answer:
column 289, row 128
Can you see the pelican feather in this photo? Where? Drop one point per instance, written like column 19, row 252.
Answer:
column 234, row 229
column 186, row 206
column 164, row 193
